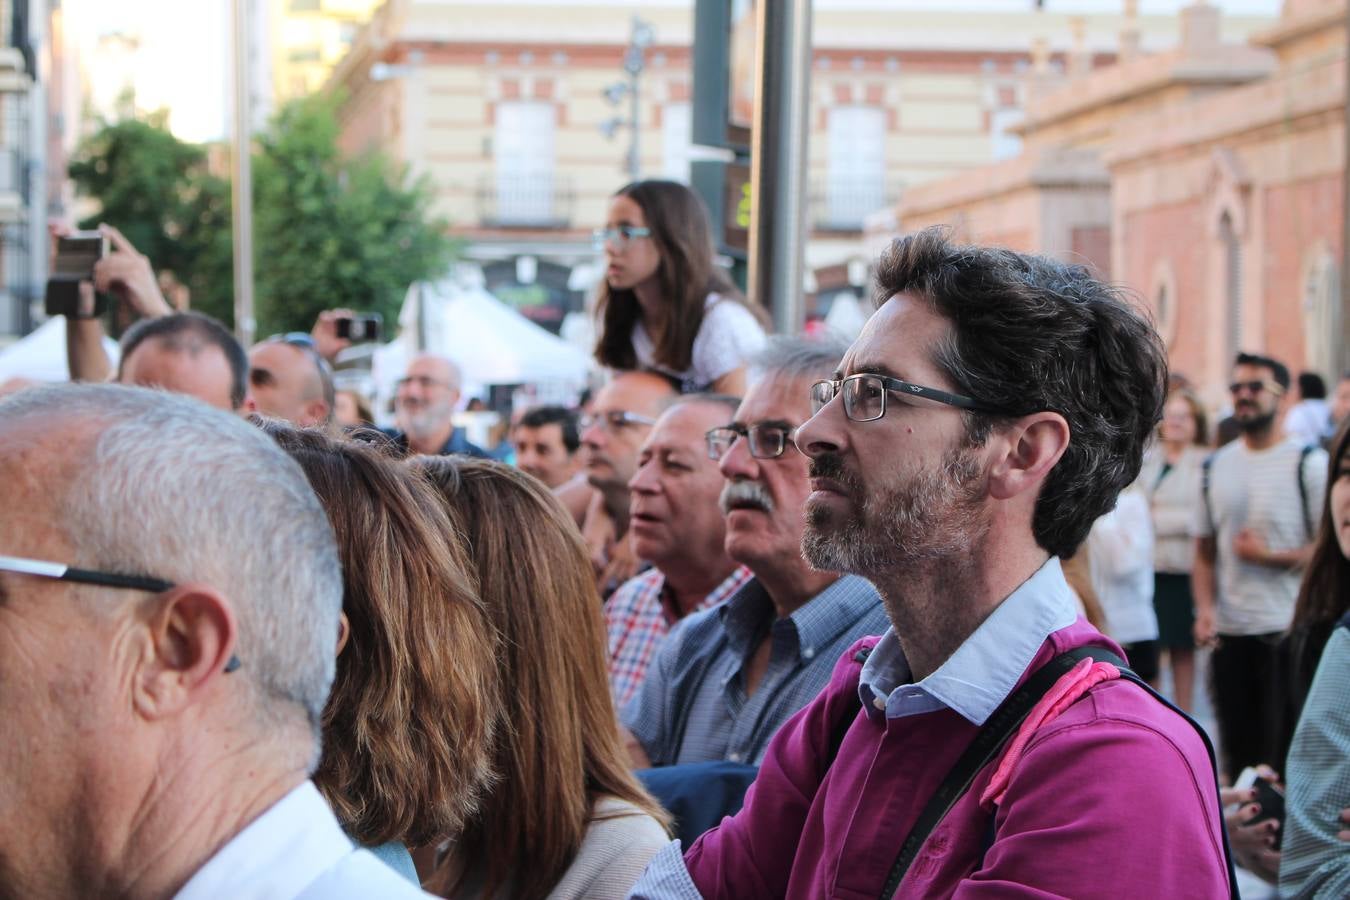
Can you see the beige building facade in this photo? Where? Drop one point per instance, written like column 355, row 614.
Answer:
column 502, row 106
column 1208, row 178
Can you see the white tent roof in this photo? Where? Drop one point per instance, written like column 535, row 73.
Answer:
column 41, row 356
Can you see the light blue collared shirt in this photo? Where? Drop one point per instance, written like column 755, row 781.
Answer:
column 986, row 667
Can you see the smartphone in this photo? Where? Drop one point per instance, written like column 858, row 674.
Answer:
column 360, row 328
column 76, row 254
column 1270, row 797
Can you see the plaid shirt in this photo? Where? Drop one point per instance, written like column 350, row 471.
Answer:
column 1315, row 863
column 693, row 707
column 637, row 618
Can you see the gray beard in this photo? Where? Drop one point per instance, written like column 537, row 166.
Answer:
column 936, row 517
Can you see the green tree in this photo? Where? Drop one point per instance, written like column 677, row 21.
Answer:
column 332, row 231
column 160, row 193
column 328, row 231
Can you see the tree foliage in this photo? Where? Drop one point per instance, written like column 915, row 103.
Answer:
column 329, row 231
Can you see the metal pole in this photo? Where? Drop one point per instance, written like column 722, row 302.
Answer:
column 634, row 128
column 1344, row 361
column 242, row 187
column 778, row 160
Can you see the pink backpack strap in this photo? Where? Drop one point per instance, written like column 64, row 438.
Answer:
column 1066, row 691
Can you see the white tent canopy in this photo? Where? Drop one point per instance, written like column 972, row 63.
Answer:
column 490, row 342
column 41, row 356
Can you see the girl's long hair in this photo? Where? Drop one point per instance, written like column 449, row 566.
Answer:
column 561, row 751
column 1324, row 595
column 409, row 726
column 687, row 274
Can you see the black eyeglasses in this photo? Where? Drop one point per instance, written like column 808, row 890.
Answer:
column 767, row 440
column 62, row 572
column 614, row 420
column 1255, row 387
column 865, row 395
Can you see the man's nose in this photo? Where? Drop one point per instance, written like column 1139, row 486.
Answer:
column 823, row 432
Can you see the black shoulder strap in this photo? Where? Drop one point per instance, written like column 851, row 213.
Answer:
column 1303, row 489
column 996, row 732
column 1345, row 621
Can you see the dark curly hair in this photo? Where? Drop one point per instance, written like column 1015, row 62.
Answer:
column 1031, row 334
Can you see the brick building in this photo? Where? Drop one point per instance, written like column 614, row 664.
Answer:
column 1208, row 178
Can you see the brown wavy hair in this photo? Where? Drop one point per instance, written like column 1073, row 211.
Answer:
column 1324, row 595
column 408, row 729
column 687, row 273
column 1198, row 415
column 562, row 752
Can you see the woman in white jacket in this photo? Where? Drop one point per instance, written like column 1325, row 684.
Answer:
column 1120, row 554
column 1170, row 479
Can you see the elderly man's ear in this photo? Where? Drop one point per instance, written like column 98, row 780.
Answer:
column 191, row 635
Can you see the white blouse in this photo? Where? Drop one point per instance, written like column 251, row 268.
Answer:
column 729, row 336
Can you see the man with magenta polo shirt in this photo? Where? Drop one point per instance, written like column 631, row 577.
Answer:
column 991, row 410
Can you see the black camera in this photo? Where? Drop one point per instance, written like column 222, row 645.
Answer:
column 360, row 328
column 76, row 254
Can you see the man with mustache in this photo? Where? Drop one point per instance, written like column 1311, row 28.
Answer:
column 1254, row 530
column 990, row 411
column 675, row 524
column 726, row 678
column 424, row 407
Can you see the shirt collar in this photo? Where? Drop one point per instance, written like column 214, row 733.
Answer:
column 986, row 667
column 749, row 613
column 729, row 586
column 284, row 849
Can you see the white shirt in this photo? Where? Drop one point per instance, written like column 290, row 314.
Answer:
column 1258, row 489
column 728, row 337
column 1309, row 422
column 295, row 850
column 1120, row 556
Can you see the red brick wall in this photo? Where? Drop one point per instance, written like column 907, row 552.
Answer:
column 1176, row 234
column 1092, row 246
column 1298, row 217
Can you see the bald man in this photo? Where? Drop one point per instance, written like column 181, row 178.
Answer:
column 424, row 405
column 621, row 417
column 289, row 380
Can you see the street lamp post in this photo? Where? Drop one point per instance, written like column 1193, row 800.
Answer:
column 634, row 61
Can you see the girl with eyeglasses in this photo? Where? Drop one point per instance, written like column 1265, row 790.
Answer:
column 664, row 305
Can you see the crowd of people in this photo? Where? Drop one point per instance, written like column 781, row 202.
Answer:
column 762, row 617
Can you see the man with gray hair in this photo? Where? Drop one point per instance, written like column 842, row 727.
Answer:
column 424, row 405
column 162, row 671
column 726, row 678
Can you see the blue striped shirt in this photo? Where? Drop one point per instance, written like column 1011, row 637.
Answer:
column 693, row 707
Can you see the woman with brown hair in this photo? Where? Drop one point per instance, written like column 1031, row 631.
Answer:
column 409, row 725
column 566, row 817
column 664, row 305
column 1170, row 479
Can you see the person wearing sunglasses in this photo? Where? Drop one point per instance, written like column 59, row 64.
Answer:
column 1253, row 533
column 163, row 670
column 993, row 408
column 620, row 418
column 290, row 381
column 664, row 305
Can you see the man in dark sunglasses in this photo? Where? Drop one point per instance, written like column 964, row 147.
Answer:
column 169, row 610
column 1253, row 530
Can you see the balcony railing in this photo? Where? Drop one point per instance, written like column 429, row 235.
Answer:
column 538, row 201
column 839, row 204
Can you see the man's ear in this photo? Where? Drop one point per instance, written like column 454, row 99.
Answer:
column 317, row 411
column 192, row 637
column 1032, row 445
column 344, row 632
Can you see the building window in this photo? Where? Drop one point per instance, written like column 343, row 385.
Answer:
column 1232, row 284
column 525, row 161
column 1004, row 143
column 675, row 138
column 1321, row 314
column 856, row 166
